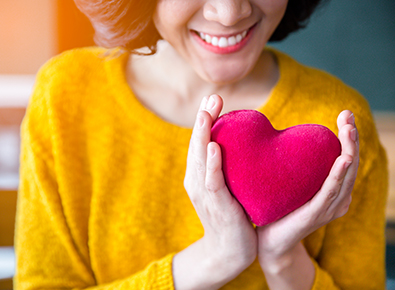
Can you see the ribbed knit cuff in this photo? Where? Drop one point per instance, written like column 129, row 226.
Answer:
column 322, row 281
column 164, row 274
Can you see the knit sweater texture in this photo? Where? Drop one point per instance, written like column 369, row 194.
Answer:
column 101, row 202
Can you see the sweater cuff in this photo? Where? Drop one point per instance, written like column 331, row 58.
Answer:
column 164, row 273
column 322, row 281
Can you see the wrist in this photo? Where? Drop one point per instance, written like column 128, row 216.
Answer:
column 291, row 270
column 276, row 263
column 202, row 267
column 224, row 263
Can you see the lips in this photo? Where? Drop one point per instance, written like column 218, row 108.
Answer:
column 223, row 41
column 223, row 44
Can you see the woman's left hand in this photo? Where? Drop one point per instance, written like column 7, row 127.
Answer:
column 280, row 239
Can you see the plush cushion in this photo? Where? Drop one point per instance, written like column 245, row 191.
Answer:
column 271, row 172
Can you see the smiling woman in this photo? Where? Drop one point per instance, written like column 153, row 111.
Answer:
column 121, row 186
column 129, row 23
column 182, row 24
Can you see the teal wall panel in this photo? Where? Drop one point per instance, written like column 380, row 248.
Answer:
column 354, row 40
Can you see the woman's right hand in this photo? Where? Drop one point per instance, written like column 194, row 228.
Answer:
column 229, row 244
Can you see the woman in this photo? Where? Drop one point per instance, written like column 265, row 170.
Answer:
column 118, row 191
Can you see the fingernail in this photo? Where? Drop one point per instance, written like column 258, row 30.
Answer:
column 347, row 164
column 211, row 151
column 211, row 103
column 353, row 134
column 203, row 104
column 351, row 119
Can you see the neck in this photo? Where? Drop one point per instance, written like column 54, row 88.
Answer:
column 167, row 71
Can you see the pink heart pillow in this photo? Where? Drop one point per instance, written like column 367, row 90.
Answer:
column 271, row 172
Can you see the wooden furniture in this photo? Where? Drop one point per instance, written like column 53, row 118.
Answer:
column 7, row 221
column 10, row 120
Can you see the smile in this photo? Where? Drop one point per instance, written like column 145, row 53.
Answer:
column 223, row 41
column 222, row 44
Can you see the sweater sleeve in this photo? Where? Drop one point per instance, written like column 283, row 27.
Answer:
column 353, row 251
column 48, row 255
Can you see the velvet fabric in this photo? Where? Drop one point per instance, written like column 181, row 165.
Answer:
column 271, row 172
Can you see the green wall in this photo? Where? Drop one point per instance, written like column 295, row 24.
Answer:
column 354, row 40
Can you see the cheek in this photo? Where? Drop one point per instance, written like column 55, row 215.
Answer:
column 163, row 17
column 171, row 15
column 274, row 9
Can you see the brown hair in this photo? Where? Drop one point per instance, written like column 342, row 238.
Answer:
column 128, row 23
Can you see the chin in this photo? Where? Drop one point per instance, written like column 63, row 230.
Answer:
column 226, row 69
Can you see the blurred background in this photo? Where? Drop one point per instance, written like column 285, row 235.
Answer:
column 354, row 40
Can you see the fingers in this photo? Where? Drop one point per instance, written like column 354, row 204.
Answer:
column 204, row 180
column 335, row 194
column 348, row 133
column 214, row 106
column 348, row 136
column 345, row 117
column 209, row 110
column 200, row 139
column 332, row 188
column 345, row 121
column 215, row 182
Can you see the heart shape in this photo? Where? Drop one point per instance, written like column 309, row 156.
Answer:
column 273, row 172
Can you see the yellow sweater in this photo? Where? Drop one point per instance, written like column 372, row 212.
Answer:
column 102, row 203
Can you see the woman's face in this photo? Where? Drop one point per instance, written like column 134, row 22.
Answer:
column 221, row 39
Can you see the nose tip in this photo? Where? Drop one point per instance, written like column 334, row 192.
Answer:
column 227, row 12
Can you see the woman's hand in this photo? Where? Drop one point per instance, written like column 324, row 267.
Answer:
column 279, row 243
column 229, row 244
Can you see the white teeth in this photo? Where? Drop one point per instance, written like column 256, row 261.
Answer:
column 223, row 41
column 231, row 41
column 214, row 41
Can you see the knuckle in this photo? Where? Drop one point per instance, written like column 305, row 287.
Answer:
column 344, row 209
column 349, row 186
column 212, row 187
column 212, row 170
column 338, row 177
column 341, row 212
column 200, row 170
column 214, row 167
column 332, row 194
column 200, row 167
column 343, row 133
